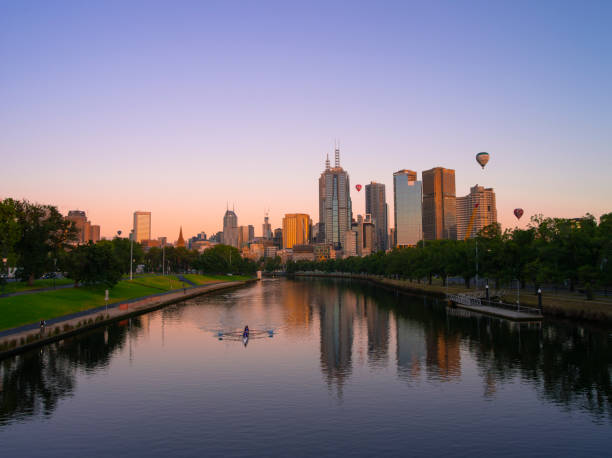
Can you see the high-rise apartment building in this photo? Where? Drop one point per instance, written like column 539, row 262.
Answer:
column 81, row 224
column 377, row 208
column 366, row 235
column 86, row 232
column 266, row 232
column 142, row 226
column 94, row 233
column 439, row 204
column 230, row 228
column 246, row 234
column 296, row 229
column 335, row 208
column 486, row 212
column 278, row 238
column 350, row 243
column 407, row 208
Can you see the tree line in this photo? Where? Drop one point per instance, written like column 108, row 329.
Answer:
column 36, row 239
column 554, row 251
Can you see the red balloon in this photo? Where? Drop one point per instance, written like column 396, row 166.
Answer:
column 358, row 187
column 518, row 212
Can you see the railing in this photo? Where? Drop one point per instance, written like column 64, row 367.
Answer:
column 478, row 302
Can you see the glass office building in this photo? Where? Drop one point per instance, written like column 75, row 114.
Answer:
column 408, row 203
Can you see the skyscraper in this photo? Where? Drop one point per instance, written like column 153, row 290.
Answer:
column 486, row 212
column 366, row 235
column 296, row 229
column 94, row 233
column 335, row 209
column 377, row 208
column 246, row 234
column 82, row 225
column 266, row 232
column 230, row 228
column 439, row 204
column 407, row 211
column 142, row 226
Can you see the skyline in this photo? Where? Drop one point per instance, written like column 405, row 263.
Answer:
column 176, row 110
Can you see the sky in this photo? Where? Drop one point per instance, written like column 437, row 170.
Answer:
column 181, row 108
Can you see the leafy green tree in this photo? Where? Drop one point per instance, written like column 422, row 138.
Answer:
column 153, row 260
column 219, row 259
column 121, row 248
column 272, row 264
column 91, row 264
column 10, row 231
column 44, row 234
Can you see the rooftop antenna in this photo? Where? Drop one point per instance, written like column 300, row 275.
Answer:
column 327, row 166
column 337, row 154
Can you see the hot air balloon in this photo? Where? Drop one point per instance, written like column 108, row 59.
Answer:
column 358, row 187
column 518, row 212
column 482, row 159
column 118, row 232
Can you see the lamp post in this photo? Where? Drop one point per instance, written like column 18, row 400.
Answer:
column 476, row 263
column 54, row 271
column 131, row 252
column 4, row 261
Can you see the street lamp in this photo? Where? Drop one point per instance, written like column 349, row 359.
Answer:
column 131, row 252
column 4, row 261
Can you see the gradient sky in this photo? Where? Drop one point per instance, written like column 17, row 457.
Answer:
column 180, row 107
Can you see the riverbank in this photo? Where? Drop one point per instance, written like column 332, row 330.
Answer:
column 553, row 305
column 23, row 337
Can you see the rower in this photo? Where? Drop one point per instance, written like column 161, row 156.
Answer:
column 246, row 331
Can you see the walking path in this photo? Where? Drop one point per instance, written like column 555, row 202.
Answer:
column 38, row 290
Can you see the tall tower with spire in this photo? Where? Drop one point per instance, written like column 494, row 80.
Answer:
column 335, row 207
column 181, row 241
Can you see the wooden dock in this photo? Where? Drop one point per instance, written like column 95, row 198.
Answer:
column 501, row 310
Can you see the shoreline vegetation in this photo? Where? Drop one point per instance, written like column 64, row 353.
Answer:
column 554, row 305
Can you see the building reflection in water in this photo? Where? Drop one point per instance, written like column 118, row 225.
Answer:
column 336, row 318
column 443, row 355
column 377, row 319
column 297, row 308
column 411, row 350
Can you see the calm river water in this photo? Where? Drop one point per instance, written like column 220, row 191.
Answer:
column 349, row 370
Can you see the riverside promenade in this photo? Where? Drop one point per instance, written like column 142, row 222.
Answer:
column 558, row 306
column 28, row 336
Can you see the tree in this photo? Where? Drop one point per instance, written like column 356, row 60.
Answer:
column 44, row 234
column 121, row 248
column 272, row 264
column 10, row 231
column 219, row 259
column 94, row 263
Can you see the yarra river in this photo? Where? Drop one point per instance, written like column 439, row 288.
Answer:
column 349, row 370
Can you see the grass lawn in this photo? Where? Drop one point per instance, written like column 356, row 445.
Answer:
column 203, row 279
column 31, row 308
column 160, row 282
column 16, row 286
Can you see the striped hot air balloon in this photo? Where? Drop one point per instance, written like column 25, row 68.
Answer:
column 482, row 159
